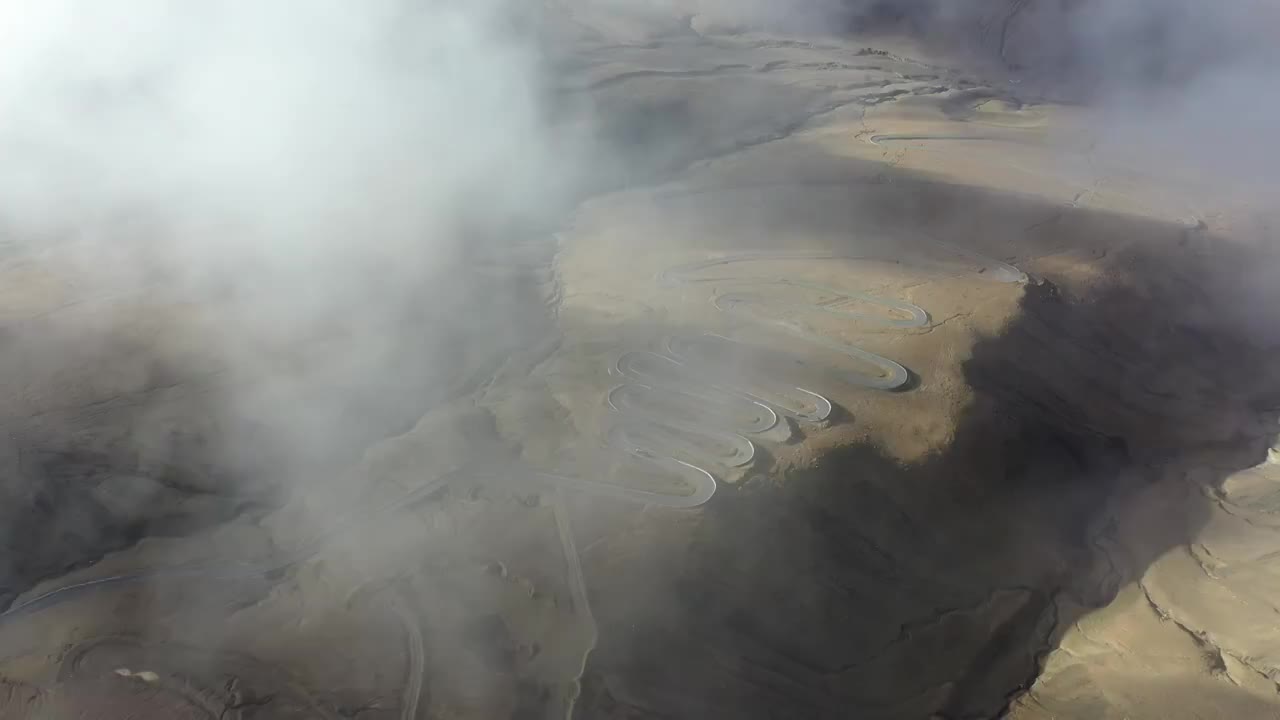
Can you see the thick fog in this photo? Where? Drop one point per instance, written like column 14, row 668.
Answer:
column 267, row 145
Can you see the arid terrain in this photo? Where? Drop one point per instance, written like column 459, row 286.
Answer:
column 854, row 381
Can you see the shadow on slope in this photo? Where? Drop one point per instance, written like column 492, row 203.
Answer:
column 866, row 588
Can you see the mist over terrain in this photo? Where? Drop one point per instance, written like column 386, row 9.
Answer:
column 337, row 341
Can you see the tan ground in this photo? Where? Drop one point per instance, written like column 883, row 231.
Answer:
column 1067, row 512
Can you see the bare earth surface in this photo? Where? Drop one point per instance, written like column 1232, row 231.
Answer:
column 871, row 391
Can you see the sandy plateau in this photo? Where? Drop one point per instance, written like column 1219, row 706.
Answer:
column 874, row 390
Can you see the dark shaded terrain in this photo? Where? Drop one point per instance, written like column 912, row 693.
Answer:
column 866, row 588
